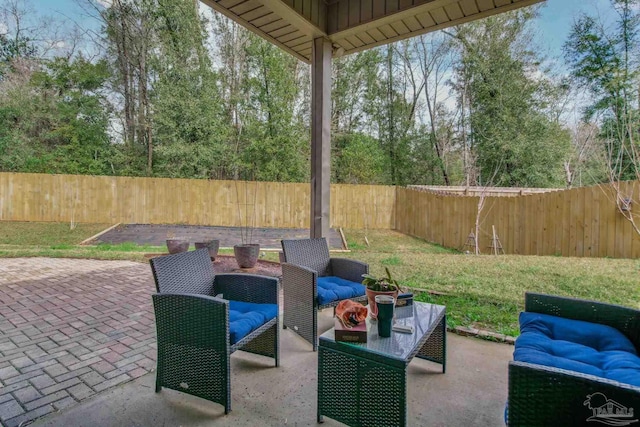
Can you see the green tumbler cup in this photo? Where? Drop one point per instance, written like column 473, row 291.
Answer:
column 385, row 304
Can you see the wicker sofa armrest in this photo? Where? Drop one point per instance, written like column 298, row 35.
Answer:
column 300, row 300
column 193, row 345
column 247, row 288
column 179, row 315
column 299, row 282
column 545, row 396
column 349, row 269
column 624, row 319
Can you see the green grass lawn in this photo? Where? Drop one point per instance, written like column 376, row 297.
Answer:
column 485, row 292
column 49, row 239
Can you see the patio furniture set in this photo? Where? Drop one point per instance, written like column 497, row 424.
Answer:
column 202, row 318
column 572, row 356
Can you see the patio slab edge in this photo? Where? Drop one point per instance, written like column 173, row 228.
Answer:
column 467, row 331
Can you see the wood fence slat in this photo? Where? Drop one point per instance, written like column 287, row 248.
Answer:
column 625, row 238
column 540, row 204
column 604, row 228
column 525, row 221
column 595, row 221
column 566, row 223
column 635, row 209
column 549, row 226
column 579, row 207
column 574, row 217
column 609, row 214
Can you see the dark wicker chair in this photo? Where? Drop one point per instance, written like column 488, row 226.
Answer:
column 194, row 344
column 305, row 261
column 546, row 396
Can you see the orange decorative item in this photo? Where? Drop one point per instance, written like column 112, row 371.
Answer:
column 351, row 313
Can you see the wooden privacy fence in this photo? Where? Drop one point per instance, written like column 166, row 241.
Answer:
column 101, row 199
column 583, row 222
column 577, row 222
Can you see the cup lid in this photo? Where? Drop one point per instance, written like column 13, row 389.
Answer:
column 385, row 299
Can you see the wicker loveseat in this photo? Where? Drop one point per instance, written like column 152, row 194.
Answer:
column 575, row 364
column 197, row 331
column 312, row 281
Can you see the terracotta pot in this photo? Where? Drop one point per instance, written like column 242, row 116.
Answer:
column 371, row 297
column 177, row 245
column 211, row 245
column 247, row 255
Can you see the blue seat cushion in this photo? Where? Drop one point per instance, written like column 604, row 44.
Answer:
column 246, row 317
column 589, row 348
column 332, row 288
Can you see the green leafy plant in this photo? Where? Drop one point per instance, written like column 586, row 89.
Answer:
column 381, row 284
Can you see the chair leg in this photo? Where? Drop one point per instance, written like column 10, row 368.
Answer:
column 315, row 329
column 227, row 405
column 276, row 344
column 158, row 386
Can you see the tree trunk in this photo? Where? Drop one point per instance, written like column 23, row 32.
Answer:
column 124, row 65
column 392, row 151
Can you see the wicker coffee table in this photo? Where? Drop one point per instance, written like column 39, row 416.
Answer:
column 366, row 384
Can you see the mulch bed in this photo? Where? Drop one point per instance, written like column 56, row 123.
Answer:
column 228, row 264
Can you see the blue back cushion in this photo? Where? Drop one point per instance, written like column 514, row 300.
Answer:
column 246, row 317
column 331, row 288
column 578, row 346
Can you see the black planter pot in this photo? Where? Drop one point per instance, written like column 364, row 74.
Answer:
column 211, row 245
column 247, row 255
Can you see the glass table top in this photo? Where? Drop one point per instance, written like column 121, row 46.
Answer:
column 422, row 317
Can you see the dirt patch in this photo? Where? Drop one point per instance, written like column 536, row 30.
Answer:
column 228, row 264
column 156, row 235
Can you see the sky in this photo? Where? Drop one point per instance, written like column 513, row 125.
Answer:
column 557, row 17
column 553, row 25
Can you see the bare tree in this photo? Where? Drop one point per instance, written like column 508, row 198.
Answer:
column 23, row 23
column 129, row 36
column 435, row 61
column 587, row 148
column 231, row 58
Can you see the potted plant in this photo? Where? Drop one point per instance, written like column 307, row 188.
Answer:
column 247, row 252
column 384, row 285
column 212, row 245
column 176, row 245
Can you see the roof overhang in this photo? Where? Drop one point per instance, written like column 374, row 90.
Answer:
column 353, row 25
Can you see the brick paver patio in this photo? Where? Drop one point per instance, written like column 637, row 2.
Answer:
column 70, row 329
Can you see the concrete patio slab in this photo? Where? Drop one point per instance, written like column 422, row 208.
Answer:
column 472, row 392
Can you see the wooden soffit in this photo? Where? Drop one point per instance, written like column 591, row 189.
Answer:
column 353, row 25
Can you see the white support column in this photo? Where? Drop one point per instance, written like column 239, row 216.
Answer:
column 320, row 137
